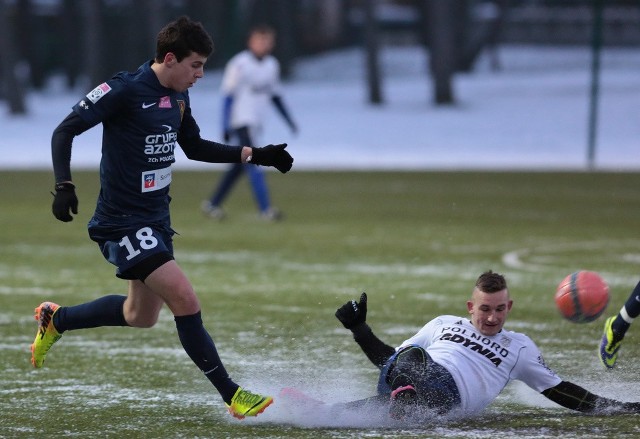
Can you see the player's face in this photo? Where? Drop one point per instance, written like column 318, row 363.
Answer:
column 261, row 44
column 185, row 73
column 489, row 310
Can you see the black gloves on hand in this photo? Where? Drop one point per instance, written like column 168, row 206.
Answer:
column 272, row 155
column 353, row 313
column 64, row 199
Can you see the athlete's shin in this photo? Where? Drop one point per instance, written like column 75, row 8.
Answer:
column 198, row 344
column 629, row 311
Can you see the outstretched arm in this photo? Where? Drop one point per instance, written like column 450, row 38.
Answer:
column 353, row 316
column 282, row 109
column 197, row 148
column 574, row 397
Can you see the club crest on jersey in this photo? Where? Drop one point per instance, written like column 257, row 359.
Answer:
column 149, row 180
column 165, row 102
column 97, row 93
column 182, row 106
column 156, row 179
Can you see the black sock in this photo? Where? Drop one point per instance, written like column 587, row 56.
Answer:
column 632, row 309
column 105, row 311
column 198, row 344
column 632, row 304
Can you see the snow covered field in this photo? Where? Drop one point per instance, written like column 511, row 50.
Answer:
column 533, row 114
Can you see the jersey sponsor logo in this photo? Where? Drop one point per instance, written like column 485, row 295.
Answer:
column 165, row 102
column 145, row 105
column 156, row 179
column 83, row 104
column 97, row 93
column 475, row 342
column 160, row 147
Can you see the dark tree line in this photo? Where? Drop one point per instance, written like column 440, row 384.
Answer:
column 89, row 40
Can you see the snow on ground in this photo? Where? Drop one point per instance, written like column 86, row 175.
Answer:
column 533, row 114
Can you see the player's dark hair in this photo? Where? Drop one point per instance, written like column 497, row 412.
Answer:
column 490, row 282
column 262, row 28
column 181, row 37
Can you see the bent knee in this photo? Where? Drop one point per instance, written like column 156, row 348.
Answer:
column 184, row 302
column 412, row 355
column 143, row 323
column 140, row 320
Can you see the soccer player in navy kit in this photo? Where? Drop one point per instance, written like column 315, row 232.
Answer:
column 251, row 82
column 145, row 115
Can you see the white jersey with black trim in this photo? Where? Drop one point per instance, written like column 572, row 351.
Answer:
column 483, row 365
column 251, row 81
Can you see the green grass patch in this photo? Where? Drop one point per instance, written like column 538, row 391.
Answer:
column 415, row 241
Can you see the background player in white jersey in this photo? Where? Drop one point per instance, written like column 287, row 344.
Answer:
column 458, row 365
column 251, row 82
column 145, row 115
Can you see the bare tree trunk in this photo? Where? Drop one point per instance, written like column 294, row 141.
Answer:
column 155, row 22
column 68, row 22
column 12, row 86
column 237, row 24
column 494, row 17
column 93, row 41
column 141, row 26
column 283, row 13
column 441, row 23
column 372, row 49
column 28, row 55
column 212, row 16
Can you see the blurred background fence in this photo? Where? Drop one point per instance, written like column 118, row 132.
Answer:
column 87, row 41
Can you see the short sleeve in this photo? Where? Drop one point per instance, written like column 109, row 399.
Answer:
column 532, row 369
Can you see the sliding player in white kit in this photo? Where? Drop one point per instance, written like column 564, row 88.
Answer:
column 455, row 365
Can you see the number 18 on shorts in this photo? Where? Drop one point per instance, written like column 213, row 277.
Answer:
column 135, row 247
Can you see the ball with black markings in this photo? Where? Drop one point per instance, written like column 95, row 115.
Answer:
column 582, row 296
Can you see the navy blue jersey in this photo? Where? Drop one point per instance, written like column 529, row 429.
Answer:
column 142, row 121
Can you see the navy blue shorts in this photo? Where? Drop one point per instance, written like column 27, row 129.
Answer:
column 434, row 382
column 137, row 251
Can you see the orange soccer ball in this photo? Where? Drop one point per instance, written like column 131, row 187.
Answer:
column 582, row 296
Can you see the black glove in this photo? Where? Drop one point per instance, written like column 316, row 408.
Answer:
column 272, row 155
column 64, row 199
column 353, row 313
